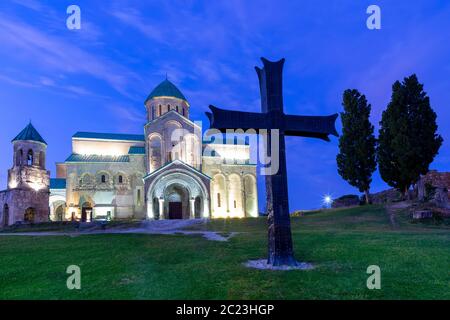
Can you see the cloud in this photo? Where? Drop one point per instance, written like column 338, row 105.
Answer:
column 16, row 82
column 31, row 4
column 128, row 117
column 52, row 53
column 48, row 83
column 133, row 18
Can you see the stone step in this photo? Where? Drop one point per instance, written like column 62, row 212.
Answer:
column 422, row 214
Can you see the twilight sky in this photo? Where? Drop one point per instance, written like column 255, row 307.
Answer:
column 96, row 78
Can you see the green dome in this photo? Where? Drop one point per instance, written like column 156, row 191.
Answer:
column 166, row 89
column 29, row 134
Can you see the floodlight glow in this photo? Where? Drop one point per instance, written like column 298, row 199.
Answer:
column 327, row 200
column 35, row 186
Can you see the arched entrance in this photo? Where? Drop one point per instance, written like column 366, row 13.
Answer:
column 86, row 212
column 29, row 215
column 177, row 198
column 56, row 201
column 59, row 213
column 174, row 186
column 5, row 221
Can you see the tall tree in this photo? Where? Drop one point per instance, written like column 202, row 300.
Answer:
column 408, row 141
column 357, row 144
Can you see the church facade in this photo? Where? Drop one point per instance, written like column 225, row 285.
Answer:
column 168, row 172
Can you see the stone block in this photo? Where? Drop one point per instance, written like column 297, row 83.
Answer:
column 422, row 214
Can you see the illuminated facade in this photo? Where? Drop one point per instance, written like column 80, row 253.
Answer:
column 168, row 172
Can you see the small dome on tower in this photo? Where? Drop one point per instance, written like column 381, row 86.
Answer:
column 166, row 89
column 29, row 134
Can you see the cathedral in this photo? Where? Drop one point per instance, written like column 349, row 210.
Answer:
column 169, row 172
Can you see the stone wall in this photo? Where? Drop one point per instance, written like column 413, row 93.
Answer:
column 346, row 201
column 433, row 179
column 386, row 196
column 19, row 200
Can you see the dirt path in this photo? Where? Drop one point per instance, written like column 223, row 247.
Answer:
column 164, row 227
column 393, row 208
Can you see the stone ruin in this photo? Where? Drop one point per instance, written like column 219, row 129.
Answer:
column 429, row 198
column 348, row 200
column 432, row 196
column 434, row 187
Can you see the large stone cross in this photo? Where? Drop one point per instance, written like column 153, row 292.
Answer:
column 273, row 117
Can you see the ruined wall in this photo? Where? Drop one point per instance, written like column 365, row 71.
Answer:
column 28, row 177
column 434, row 179
column 19, row 200
column 4, row 221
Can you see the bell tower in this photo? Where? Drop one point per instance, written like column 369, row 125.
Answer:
column 26, row 200
column 29, row 164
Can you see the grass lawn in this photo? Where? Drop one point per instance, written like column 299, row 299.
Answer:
column 414, row 261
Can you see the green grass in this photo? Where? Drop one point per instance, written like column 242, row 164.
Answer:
column 68, row 226
column 414, row 261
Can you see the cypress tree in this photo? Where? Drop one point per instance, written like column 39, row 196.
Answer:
column 356, row 159
column 408, row 141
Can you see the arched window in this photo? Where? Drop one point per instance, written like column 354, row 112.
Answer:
column 168, row 107
column 154, row 147
column 218, row 200
column 184, row 114
column 160, row 110
column 87, row 179
column 177, row 109
column 103, row 178
column 19, row 157
column 30, row 158
column 235, row 193
column 29, row 215
column 120, row 179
